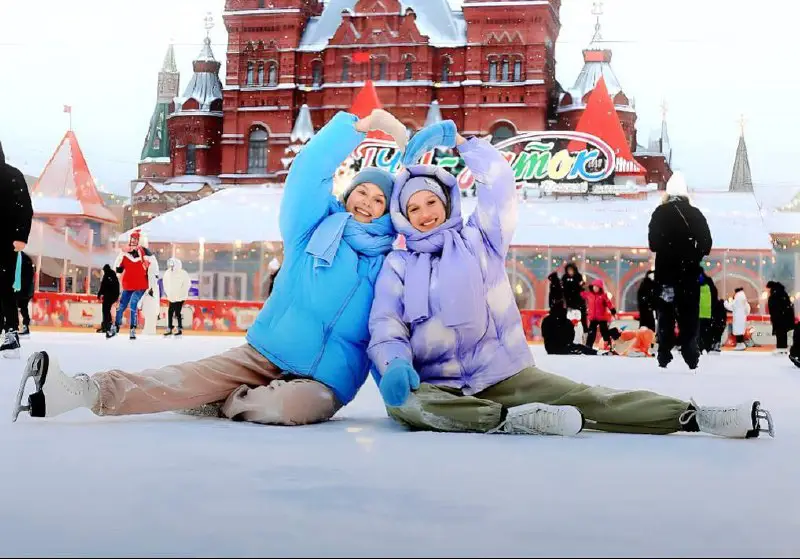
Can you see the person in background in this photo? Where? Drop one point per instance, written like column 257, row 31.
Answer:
column 646, row 298
column 708, row 294
column 558, row 333
column 600, row 311
column 108, row 294
column 781, row 315
column 133, row 265
column 176, row 289
column 740, row 308
column 16, row 217
column 573, row 286
column 794, row 353
column 555, row 296
column 25, row 294
column 679, row 235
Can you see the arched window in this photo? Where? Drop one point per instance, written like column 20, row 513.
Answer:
column 518, row 70
column 260, row 73
column 493, row 71
column 191, row 159
column 257, row 152
column 446, row 70
column 250, row 73
column 409, row 73
column 273, row 74
column 502, row 132
column 377, row 70
column 345, row 70
column 316, row 73
column 504, row 76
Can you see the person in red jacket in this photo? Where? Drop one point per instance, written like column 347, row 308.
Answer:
column 599, row 310
column 133, row 266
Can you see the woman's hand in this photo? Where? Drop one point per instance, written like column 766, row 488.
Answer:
column 385, row 122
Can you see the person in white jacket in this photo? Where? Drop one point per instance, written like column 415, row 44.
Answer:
column 176, row 290
column 740, row 309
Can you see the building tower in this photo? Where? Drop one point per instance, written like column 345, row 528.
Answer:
column 741, row 179
column 597, row 63
column 195, row 125
column 155, row 162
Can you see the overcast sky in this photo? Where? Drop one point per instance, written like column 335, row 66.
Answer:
column 712, row 60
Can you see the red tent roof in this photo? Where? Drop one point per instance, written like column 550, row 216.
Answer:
column 365, row 102
column 600, row 119
column 66, row 178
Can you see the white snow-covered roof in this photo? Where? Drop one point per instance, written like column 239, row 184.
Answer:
column 46, row 241
column 435, row 19
column 250, row 214
column 303, row 129
column 586, row 82
column 56, row 205
column 244, row 213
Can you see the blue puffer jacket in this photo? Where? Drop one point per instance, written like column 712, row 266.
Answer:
column 315, row 322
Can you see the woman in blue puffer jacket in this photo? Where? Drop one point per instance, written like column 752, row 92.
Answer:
column 446, row 335
column 305, row 355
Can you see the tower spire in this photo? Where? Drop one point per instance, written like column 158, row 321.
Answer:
column 597, row 12
column 741, row 178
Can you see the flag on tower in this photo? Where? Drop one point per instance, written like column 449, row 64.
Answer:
column 68, row 109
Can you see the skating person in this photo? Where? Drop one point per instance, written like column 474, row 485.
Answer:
column 26, row 292
column 636, row 343
column 447, row 337
column 133, row 265
column 555, row 296
column 708, row 294
column 306, row 353
column 16, row 216
column 679, row 235
column 573, row 285
column 794, row 353
column 108, row 294
column 176, row 290
column 781, row 315
column 740, row 308
column 558, row 333
column 646, row 300
column 719, row 323
column 600, row 311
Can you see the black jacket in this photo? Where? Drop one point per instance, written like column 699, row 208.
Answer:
column 573, row 287
column 16, row 210
column 557, row 331
column 781, row 309
column 647, row 295
column 556, row 294
column 109, row 287
column 680, row 237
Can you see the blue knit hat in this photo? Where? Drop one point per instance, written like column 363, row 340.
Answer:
column 382, row 179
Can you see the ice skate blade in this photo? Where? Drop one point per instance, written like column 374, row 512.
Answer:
column 37, row 363
column 758, row 414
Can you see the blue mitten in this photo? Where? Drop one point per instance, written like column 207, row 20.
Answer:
column 439, row 134
column 397, row 383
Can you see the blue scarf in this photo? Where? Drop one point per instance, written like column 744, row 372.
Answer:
column 370, row 239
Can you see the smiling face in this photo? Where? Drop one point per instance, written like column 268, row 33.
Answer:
column 425, row 211
column 366, row 202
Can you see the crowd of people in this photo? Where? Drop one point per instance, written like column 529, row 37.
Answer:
column 436, row 324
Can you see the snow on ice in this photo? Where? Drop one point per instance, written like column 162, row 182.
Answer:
column 172, row 485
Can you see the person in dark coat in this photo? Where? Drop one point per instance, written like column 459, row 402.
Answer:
column 794, row 353
column 680, row 238
column 559, row 334
column 646, row 298
column 25, row 294
column 556, row 293
column 573, row 286
column 108, row 294
column 781, row 314
column 16, row 217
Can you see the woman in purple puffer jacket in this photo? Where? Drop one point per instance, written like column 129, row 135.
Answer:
column 446, row 336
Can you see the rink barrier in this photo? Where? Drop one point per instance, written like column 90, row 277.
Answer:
column 85, row 311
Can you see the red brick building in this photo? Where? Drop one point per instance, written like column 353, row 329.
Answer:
column 490, row 66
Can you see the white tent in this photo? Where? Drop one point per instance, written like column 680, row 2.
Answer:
column 250, row 214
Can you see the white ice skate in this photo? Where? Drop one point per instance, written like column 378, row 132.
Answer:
column 56, row 393
column 542, row 419
column 781, row 351
column 738, row 422
column 740, row 347
column 9, row 345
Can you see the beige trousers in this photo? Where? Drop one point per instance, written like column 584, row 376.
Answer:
column 252, row 388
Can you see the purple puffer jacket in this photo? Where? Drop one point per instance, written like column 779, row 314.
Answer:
column 471, row 357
